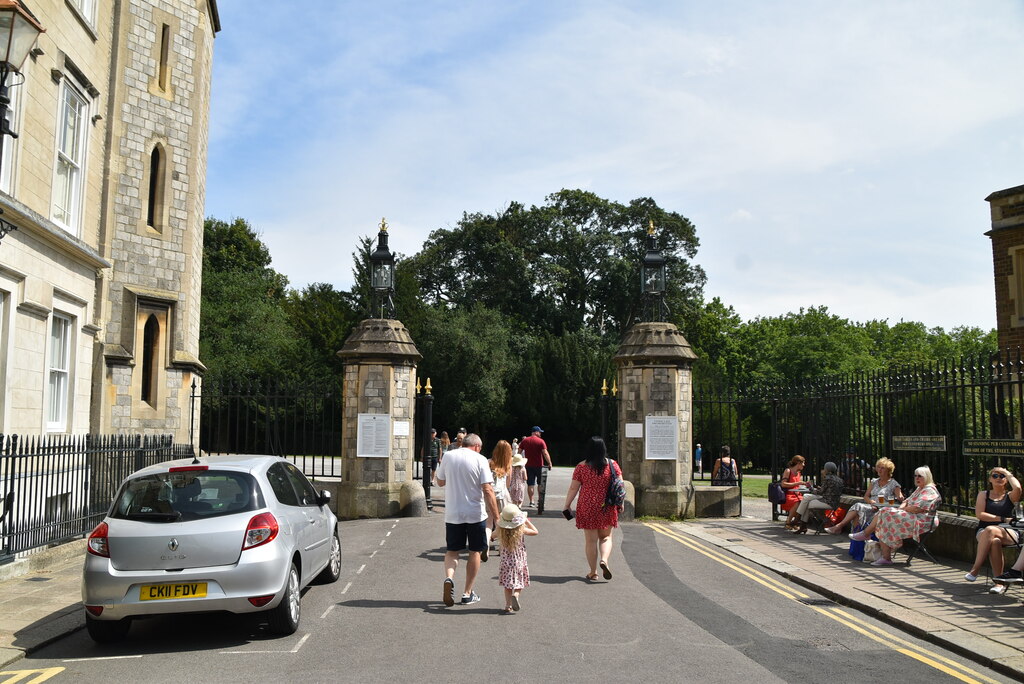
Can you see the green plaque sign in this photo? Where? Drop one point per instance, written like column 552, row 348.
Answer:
column 918, row 443
column 994, row 447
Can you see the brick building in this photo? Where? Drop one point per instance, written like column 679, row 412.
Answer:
column 1007, row 234
column 100, row 280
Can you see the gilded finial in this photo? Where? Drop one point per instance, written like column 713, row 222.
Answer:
column 428, row 385
column 383, row 225
column 650, row 226
column 604, row 388
column 615, row 388
column 419, row 388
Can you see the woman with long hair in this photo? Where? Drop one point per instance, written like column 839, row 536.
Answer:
column 793, row 485
column 993, row 507
column 501, row 464
column 590, row 481
column 883, row 488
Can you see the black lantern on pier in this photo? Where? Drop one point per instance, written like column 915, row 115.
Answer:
column 382, row 276
column 653, row 279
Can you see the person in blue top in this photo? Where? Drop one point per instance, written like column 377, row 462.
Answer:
column 696, row 459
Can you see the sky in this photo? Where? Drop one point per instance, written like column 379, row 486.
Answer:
column 830, row 154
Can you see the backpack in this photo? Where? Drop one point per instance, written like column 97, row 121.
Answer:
column 616, row 494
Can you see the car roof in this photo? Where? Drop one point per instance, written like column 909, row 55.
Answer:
column 244, row 462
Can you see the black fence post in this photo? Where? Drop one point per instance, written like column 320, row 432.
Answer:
column 427, row 460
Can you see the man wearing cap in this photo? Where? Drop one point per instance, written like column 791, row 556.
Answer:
column 469, row 510
column 697, row 455
column 536, row 450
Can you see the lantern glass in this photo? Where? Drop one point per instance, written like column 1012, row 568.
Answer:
column 17, row 36
column 383, row 276
column 654, row 279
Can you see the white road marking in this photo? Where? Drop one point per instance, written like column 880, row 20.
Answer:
column 301, row 642
column 329, row 609
column 388, row 534
column 374, row 553
column 361, row 568
column 381, row 543
column 346, row 587
column 82, row 660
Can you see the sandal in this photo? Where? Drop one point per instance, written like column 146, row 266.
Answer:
column 607, row 572
column 592, row 578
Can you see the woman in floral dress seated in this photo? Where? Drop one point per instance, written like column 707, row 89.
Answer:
column 914, row 516
column 883, row 486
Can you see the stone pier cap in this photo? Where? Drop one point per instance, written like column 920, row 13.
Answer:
column 646, row 343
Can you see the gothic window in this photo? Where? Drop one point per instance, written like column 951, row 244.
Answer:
column 150, row 359
column 155, row 197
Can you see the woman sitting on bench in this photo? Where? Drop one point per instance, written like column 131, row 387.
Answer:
column 993, row 507
column 914, row 516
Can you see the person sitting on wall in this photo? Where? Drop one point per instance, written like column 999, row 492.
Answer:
column 726, row 471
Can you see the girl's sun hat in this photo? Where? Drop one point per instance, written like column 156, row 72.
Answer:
column 518, row 460
column 511, row 517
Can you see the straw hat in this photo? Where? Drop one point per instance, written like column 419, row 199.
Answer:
column 518, row 460
column 511, row 517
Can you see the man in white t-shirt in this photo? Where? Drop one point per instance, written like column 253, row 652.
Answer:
column 469, row 509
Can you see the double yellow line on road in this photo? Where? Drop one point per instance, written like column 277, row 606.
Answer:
column 888, row 639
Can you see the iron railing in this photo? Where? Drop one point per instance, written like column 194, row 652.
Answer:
column 55, row 488
column 876, row 414
column 299, row 421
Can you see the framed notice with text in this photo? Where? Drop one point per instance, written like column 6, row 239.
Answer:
column 373, row 436
column 662, row 441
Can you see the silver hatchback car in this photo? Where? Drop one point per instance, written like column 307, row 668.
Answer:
column 241, row 534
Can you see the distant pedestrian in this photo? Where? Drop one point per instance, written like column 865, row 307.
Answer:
column 517, row 480
column 697, row 454
column 470, row 507
column 513, row 573
column 501, row 466
column 590, row 480
column 536, row 450
column 726, row 471
column 433, row 452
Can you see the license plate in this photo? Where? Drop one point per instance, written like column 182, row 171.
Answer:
column 157, row 592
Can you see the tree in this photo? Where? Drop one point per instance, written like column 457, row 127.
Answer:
column 323, row 318
column 244, row 331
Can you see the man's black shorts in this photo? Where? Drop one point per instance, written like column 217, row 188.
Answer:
column 458, row 534
column 533, row 475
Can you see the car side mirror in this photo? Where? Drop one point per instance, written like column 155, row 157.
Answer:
column 324, row 498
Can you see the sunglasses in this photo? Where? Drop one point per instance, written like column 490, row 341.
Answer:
column 998, row 476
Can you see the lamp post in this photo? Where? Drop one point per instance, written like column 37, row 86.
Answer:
column 426, row 401
column 18, row 33
column 382, row 276
column 653, row 280
column 605, row 400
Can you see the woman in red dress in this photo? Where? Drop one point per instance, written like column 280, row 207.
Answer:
column 590, row 480
column 793, row 484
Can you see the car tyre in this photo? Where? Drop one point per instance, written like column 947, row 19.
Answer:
column 107, row 631
column 284, row 619
column 332, row 572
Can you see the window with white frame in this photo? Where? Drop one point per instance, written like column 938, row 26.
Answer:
column 68, row 176
column 87, row 8
column 60, row 375
column 10, row 150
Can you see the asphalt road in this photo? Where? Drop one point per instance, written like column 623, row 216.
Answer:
column 675, row 611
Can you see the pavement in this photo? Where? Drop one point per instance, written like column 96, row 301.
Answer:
column 40, row 597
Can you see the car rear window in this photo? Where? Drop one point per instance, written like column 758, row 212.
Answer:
column 187, row 495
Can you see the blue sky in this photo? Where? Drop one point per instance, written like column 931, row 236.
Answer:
column 828, row 153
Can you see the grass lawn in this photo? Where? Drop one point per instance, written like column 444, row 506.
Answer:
column 756, row 488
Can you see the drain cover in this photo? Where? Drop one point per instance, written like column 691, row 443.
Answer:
column 734, row 540
column 39, row 579
column 817, row 601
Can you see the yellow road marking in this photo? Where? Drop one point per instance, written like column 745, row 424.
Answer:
column 934, row 660
column 20, row 675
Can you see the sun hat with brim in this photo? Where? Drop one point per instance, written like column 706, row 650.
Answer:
column 518, row 460
column 511, row 517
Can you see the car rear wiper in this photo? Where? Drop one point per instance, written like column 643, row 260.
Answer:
column 162, row 517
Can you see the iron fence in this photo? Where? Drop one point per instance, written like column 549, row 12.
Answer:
column 917, row 416
column 300, row 421
column 55, row 488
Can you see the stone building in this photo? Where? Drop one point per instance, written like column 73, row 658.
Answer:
column 100, row 279
column 1007, row 235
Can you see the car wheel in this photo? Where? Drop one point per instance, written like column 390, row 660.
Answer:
column 107, row 631
column 284, row 619
column 332, row 572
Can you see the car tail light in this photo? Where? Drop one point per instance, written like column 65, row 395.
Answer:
column 260, row 601
column 262, row 529
column 188, row 468
column 95, row 610
column 98, row 545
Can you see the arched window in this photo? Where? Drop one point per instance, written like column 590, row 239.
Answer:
column 150, row 358
column 156, row 188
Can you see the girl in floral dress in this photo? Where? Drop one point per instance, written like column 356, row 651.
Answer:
column 516, row 480
column 590, row 481
column 513, row 573
column 914, row 516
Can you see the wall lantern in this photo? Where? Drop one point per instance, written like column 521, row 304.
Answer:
column 382, row 276
column 653, row 277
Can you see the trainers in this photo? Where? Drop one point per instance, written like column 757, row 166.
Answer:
column 471, row 597
column 1011, row 576
column 998, row 589
column 882, row 561
column 859, row 536
column 448, row 592
column 970, row 577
